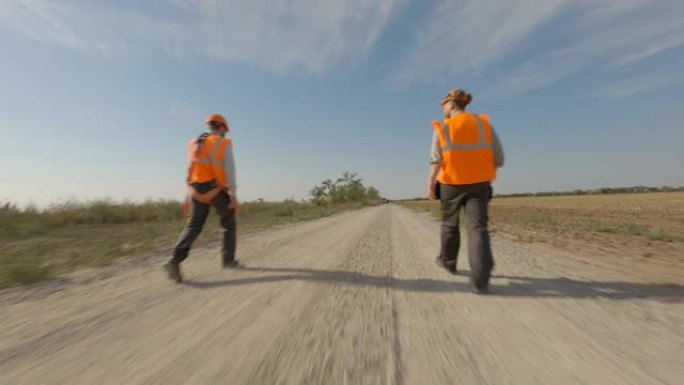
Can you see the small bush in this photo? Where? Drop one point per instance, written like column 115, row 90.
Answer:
column 348, row 188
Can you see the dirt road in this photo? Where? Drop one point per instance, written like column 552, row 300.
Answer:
column 350, row 299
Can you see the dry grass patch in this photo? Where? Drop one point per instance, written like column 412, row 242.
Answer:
column 35, row 245
column 644, row 225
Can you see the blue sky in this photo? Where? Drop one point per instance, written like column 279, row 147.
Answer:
column 100, row 98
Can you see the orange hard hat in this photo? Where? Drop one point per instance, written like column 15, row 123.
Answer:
column 217, row 118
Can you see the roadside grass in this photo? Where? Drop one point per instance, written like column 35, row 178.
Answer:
column 433, row 208
column 602, row 227
column 38, row 245
column 655, row 234
column 634, row 229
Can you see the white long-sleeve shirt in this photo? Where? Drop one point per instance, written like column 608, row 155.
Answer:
column 229, row 169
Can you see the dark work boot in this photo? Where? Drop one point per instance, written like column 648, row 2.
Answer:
column 234, row 264
column 480, row 289
column 174, row 271
column 449, row 266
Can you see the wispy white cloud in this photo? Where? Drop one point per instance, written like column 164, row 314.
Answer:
column 598, row 11
column 645, row 31
column 285, row 34
column 667, row 41
column 640, row 85
column 456, row 38
column 468, row 35
column 98, row 28
column 279, row 35
column 560, row 37
column 48, row 21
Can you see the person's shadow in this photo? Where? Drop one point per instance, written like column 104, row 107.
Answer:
column 518, row 286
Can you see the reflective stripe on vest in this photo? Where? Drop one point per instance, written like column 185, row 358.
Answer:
column 450, row 146
column 213, row 157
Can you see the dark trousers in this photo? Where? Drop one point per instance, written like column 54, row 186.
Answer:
column 475, row 199
column 193, row 228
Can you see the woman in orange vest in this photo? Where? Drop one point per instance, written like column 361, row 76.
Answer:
column 211, row 182
column 465, row 155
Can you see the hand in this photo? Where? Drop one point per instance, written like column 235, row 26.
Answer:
column 234, row 205
column 431, row 190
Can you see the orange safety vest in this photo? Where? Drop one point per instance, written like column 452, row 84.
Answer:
column 206, row 155
column 466, row 144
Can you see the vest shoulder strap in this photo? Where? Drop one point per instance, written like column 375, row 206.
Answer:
column 485, row 118
column 200, row 141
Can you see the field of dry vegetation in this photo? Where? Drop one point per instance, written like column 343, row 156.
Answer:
column 648, row 225
column 37, row 245
column 41, row 244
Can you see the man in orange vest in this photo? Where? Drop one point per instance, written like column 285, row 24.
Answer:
column 211, row 182
column 465, row 155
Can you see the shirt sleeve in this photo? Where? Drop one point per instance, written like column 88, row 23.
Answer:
column 229, row 168
column 435, row 150
column 498, row 150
